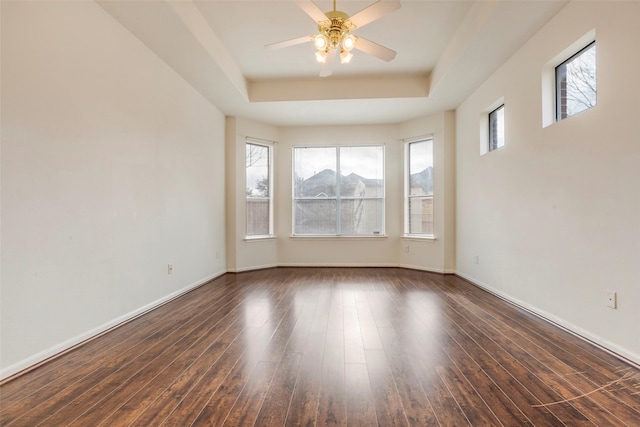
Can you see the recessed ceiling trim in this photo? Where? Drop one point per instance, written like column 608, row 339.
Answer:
column 314, row 89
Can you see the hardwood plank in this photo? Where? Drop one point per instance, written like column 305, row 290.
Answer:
column 277, row 400
column 368, row 327
column 353, row 346
column 245, row 410
column 472, row 405
column 386, row 399
column 360, row 406
column 332, row 405
column 303, row 408
column 415, row 403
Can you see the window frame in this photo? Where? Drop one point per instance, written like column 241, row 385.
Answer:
column 558, row 97
column 407, row 189
column 337, row 198
column 490, row 140
column 269, row 146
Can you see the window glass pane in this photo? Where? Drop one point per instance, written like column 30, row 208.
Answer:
column 315, row 217
column 362, row 171
column 361, row 216
column 576, row 83
column 421, row 168
column 257, row 162
column 314, row 172
column 257, row 217
column 258, row 212
column 496, row 128
column 347, row 203
column 421, row 215
column 419, row 191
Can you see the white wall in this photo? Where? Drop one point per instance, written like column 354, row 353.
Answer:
column 112, row 167
column 554, row 216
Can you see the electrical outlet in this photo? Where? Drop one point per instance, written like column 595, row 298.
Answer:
column 169, row 268
column 406, row 249
column 477, row 259
column 612, row 299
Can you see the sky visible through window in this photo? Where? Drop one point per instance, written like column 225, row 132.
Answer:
column 257, row 169
column 365, row 161
column 421, row 156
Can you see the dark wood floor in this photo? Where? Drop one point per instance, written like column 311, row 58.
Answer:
column 330, row 346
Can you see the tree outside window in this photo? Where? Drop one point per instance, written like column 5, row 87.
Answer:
column 576, row 83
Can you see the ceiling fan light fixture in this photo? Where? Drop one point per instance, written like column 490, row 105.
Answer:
column 345, row 56
column 348, row 42
column 321, row 56
column 320, row 41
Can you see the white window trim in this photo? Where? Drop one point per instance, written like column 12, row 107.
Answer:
column 270, row 145
column 339, row 237
column 406, row 213
column 484, row 125
column 259, row 238
column 383, row 234
column 419, row 237
column 501, row 107
column 569, row 60
column 549, row 77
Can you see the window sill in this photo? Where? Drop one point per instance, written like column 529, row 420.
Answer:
column 319, row 237
column 258, row 238
column 417, row 238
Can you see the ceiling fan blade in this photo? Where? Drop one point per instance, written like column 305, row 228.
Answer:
column 288, row 43
column 374, row 49
column 375, row 11
column 312, row 10
column 327, row 67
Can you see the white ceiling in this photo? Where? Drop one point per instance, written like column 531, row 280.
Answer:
column 445, row 49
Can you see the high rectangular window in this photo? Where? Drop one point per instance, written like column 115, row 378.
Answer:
column 338, row 191
column 259, row 189
column 496, row 128
column 419, row 188
column 576, row 83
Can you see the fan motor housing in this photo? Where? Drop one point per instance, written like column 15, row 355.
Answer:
column 337, row 26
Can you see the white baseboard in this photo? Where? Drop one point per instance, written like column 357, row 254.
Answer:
column 252, row 268
column 422, row 268
column 602, row 343
column 306, row 264
column 335, row 264
column 65, row 346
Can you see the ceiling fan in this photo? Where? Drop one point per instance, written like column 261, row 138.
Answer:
column 334, row 33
